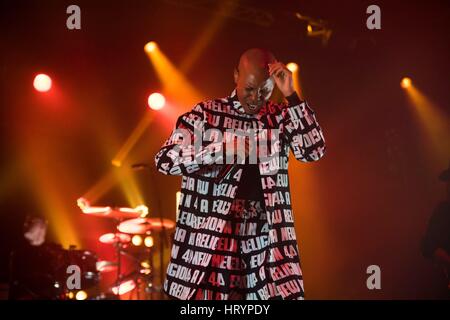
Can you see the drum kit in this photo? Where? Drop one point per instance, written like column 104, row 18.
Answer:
column 133, row 240
column 42, row 272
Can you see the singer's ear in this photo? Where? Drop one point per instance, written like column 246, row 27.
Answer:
column 236, row 75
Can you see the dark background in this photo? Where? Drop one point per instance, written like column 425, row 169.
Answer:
column 366, row 202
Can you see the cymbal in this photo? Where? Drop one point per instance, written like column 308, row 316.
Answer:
column 115, row 213
column 111, row 238
column 124, row 287
column 106, row 266
column 143, row 225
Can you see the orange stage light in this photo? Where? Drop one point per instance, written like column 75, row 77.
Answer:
column 150, row 46
column 405, row 83
column 292, row 66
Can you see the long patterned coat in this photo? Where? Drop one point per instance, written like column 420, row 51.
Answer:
column 206, row 200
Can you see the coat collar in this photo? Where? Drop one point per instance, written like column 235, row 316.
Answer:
column 234, row 102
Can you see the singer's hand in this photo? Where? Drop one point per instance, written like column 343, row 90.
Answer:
column 283, row 78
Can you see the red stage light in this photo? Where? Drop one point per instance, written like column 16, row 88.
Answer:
column 42, row 82
column 156, row 101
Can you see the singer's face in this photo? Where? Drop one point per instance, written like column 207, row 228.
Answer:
column 254, row 88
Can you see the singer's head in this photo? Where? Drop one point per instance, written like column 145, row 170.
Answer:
column 254, row 85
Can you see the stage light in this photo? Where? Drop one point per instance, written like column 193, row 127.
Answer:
column 81, row 295
column 116, row 163
column 292, row 66
column 173, row 80
column 124, row 287
column 150, row 46
column 42, row 82
column 145, row 271
column 146, row 267
column 83, row 203
column 316, row 28
column 136, row 240
column 145, row 264
column 433, row 123
column 405, row 83
column 143, row 209
column 97, row 210
column 156, row 101
column 148, row 241
column 107, row 238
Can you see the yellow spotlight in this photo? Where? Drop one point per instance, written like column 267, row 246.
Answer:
column 131, row 142
column 81, row 295
column 309, row 28
column 150, row 46
column 148, row 241
column 434, row 125
column 136, row 240
column 405, row 83
column 292, row 66
column 70, row 295
column 175, row 83
column 116, row 163
column 210, row 29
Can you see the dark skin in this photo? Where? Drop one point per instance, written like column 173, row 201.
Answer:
column 255, row 77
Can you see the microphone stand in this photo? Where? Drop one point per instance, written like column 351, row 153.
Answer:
column 163, row 232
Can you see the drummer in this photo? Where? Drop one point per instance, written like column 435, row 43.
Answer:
column 33, row 263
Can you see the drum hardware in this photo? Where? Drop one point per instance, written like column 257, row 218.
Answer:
column 133, row 240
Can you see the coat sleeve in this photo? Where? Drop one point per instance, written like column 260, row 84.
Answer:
column 185, row 152
column 301, row 130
